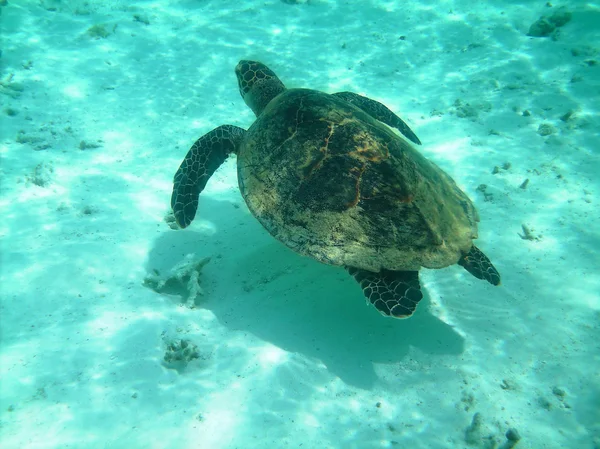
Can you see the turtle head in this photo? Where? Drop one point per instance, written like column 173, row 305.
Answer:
column 258, row 84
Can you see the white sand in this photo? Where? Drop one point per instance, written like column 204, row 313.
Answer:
column 289, row 355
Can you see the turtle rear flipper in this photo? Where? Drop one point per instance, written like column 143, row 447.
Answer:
column 201, row 161
column 393, row 293
column 380, row 112
column 477, row 263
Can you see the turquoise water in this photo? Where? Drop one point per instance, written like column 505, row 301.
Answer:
column 118, row 330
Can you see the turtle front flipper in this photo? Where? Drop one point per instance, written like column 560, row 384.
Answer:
column 379, row 112
column 477, row 263
column 393, row 293
column 201, row 161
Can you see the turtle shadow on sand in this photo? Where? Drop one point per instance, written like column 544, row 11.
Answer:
column 294, row 302
column 320, row 312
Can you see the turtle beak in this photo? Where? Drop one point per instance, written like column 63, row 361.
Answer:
column 238, row 67
column 239, row 73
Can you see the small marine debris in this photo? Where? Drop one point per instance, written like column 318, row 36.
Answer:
column 560, row 17
column 473, row 430
column 62, row 207
column 544, row 402
column 83, row 10
column 471, row 46
column 470, row 111
column 169, row 219
column 546, row 26
column 528, row 233
column 559, row 393
column 183, row 279
column 88, row 210
column 505, row 166
column 567, row 116
column 508, row 384
column 42, row 174
column 541, row 28
column 11, row 112
column 512, row 438
column 49, row 5
column 576, row 79
column 586, row 51
column 179, row 353
column 141, row 18
column 465, row 110
column 477, row 434
column 468, row 400
column 9, row 88
column 486, row 195
column 99, row 31
column 24, row 138
column 524, row 184
column 40, row 393
column 546, row 129
column 85, row 145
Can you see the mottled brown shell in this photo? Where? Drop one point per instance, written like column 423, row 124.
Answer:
column 333, row 183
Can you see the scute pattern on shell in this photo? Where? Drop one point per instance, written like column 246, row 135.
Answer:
column 335, row 184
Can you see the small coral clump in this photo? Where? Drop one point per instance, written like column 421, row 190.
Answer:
column 545, row 26
column 183, row 279
column 179, row 353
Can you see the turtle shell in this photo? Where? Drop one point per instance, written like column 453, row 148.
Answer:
column 333, row 183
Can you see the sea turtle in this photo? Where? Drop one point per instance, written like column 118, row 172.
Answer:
column 326, row 175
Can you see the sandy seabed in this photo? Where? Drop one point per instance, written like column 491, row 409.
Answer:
column 101, row 101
